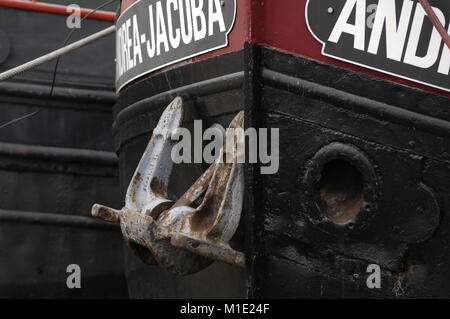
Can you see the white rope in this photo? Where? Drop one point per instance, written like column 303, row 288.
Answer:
column 57, row 53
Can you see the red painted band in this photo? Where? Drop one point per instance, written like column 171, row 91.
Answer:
column 57, row 9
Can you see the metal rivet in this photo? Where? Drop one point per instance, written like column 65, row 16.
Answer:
column 330, row 10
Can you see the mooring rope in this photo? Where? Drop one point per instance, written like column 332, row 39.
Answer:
column 57, row 53
column 435, row 21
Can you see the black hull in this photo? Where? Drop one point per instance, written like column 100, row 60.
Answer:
column 396, row 138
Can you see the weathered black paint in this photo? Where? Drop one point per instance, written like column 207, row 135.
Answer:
column 394, row 136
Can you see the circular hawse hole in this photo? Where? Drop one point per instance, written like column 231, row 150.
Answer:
column 340, row 191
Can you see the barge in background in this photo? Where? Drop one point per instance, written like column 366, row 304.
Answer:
column 56, row 163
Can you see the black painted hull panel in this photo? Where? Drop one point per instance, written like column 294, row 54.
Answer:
column 396, row 137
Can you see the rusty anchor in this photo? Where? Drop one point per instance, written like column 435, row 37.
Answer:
column 181, row 238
